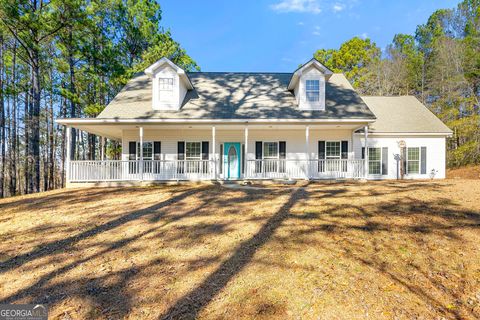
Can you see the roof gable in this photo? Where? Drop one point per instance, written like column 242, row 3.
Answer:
column 306, row 66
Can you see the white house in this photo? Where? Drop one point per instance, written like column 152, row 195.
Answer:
column 309, row 124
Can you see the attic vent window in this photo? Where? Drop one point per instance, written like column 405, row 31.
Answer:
column 166, row 88
column 313, row 90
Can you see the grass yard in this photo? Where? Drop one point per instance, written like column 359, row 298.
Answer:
column 379, row 250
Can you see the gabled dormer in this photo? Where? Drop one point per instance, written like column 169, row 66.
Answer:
column 308, row 85
column 170, row 84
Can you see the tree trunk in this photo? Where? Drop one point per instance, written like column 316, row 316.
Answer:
column 26, row 121
column 13, row 137
column 35, row 121
column 71, row 65
column 2, row 122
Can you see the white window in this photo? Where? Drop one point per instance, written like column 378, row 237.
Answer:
column 312, row 90
column 165, row 86
column 332, row 149
column 413, row 160
column 374, row 160
column 193, row 151
column 270, row 150
column 147, row 150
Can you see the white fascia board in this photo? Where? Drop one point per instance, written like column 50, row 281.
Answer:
column 297, row 74
column 370, row 133
column 134, row 121
column 182, row 74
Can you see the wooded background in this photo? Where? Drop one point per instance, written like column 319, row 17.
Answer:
column 68, row 58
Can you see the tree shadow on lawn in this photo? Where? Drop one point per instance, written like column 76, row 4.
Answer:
column 108, row 290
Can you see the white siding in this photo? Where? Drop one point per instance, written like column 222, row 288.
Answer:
column 295, row 140
column 435, row 153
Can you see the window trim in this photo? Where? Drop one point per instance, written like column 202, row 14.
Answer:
column 278, row 150
column 317, row 91
column 137, row 150
column 417, row 161
column 200, row 155
column 340, row 150
column 379, row 161
column 165, row 94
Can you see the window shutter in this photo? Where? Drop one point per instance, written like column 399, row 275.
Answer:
column 258, row 156
column 181, row 156
column 282, row 146
column 243, row 158
column 221, row 158
column 282, row 154
column 344, row 154
column 181, row 150
column 321, row 150
column 385, row 161
column 404, row 160
column 363, row 152
column 157, row 150
column 205, row 150
column 132, row 152
column 423, row 160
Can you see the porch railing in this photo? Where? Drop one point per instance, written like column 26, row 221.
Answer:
column 305, row 169
column 150, row 170
column 115, row 170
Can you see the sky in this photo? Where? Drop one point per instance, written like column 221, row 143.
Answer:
column 279, row 35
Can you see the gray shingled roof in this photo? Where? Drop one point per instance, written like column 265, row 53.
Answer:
column 220, row 95
column 404, row 114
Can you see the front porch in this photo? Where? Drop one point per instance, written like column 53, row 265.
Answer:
column 227, row 152
column 200, row 170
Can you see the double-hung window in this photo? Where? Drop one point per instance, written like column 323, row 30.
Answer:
column 332, row 152
column 375, row 160
column 312, row 90
column 147, row 155
column 193, row 155
column 413, row 160
column 270, row 156
column 165, row 87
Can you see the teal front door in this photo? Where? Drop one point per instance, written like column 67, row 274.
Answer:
column 231, row 160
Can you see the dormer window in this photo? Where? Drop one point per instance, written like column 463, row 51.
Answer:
column 312, row 90
column 165, row 86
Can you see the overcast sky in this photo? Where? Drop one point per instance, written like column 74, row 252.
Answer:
column 278, row 35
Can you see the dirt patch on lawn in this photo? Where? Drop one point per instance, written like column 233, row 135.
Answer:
column 376, row 250
column 470, row 172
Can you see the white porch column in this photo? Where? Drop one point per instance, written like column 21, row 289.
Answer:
column 68, row 132
column 366, row 152
column 246, row 153
column 214, row 143
column 141, row 152
column 307, row 150
column 102, row 148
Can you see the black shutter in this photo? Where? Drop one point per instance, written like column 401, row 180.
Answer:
column 243, row 158
column 205, row 153
column 157, row 150
column 221, row 158
column 344, row 150
column 404, row 160
column 132, row 150
column 363, row 152
column 321, row 150
column 385, row 161
column 181, row 156
column 282, row 153
column 258, row 156
column 423, row 160
column 205, row 150
column 132, row 155
column 321, row 156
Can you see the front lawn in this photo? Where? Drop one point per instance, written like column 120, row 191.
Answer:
column 377, row 250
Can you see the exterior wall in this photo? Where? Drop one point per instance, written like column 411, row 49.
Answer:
column 436, row 153
column 296, row 145
column 295, row 140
